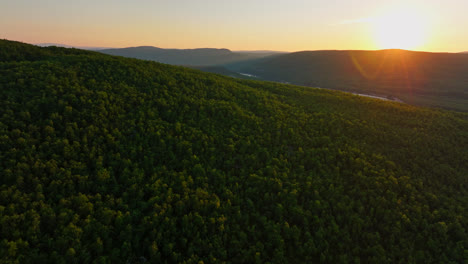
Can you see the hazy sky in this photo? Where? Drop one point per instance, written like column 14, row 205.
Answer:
column 287, row 25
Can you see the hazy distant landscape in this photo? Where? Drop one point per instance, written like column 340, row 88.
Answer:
column 188, row 57
column 419, row 78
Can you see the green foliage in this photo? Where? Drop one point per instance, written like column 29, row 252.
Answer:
column 113, row 160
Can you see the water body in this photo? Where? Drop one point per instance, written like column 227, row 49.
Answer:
column 381, row 98
column 248, row 75
column 392, row 99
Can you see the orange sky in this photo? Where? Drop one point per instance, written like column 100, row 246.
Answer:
column 291, row 25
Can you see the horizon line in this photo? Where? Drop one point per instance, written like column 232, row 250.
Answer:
column 86, row 47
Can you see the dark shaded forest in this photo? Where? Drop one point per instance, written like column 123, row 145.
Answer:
column 112, row 160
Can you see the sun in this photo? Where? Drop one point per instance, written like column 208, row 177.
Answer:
column 402, row 29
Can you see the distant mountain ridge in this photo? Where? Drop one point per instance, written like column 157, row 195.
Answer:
column 188, row 57
column 422, row 78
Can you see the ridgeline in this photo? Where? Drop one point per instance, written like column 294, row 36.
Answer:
column 418, row 78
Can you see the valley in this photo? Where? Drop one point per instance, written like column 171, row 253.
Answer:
column 418, row 78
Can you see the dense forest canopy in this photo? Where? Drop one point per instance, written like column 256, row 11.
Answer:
column 113, row 160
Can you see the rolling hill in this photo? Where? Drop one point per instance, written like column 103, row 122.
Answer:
column 188, row 57
column 114, row 160
column 421, row 78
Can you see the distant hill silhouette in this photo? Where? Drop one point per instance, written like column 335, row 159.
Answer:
column 70, row 46
column 431, row 79
column 189, row 57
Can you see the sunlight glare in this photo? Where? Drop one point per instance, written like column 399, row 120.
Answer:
column 403, row 29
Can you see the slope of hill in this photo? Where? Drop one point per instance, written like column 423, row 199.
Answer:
column 192, row 57
column 114, row 160
column 429, row 79
column 224, row 71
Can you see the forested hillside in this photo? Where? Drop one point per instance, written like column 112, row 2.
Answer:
column 419, row 78
column 111, row 160
column 188, row 57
